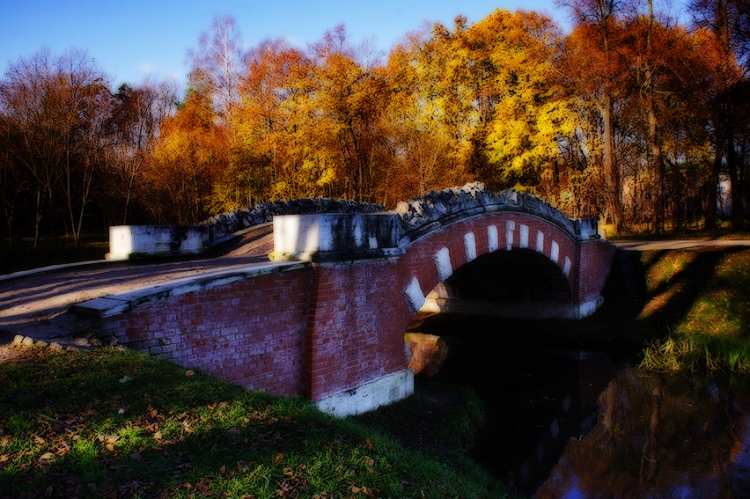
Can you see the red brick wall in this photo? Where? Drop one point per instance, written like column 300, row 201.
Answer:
column 249, row 332
column 595, row 259
column 356, row 326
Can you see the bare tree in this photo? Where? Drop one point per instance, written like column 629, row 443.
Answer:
column 137, row 117
column 219, row 60
column 57, row 108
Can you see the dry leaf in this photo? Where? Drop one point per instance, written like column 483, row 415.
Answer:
column 189, row 372
column 278, row 458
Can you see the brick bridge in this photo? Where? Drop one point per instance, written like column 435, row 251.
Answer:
column 326, row 319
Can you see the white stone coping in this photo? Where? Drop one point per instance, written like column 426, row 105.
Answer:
column 371, row 395
column 110, row 305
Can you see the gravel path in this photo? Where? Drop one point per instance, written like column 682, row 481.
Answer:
column 679, row 244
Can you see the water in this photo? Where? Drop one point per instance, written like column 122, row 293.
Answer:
column 568, row 423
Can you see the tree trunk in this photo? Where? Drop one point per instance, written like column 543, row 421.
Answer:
column 611, row 174
column 736, row 194
column 712, row 186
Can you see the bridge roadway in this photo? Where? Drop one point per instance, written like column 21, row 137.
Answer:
column 35, row 304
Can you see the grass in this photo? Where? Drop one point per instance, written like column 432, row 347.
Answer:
column 691, row 309
column 111, row 423
column 703, row 297
column 22, row 255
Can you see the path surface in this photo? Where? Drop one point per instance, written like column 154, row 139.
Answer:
column 679, row 244
column 36, row 305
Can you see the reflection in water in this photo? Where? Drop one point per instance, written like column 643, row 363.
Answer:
column 535, row 401
column 572, row 423
column 659, row 437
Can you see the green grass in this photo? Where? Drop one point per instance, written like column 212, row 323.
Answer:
column 111, row 423
column 22, row 255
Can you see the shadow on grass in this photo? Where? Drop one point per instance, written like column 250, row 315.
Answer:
column 113, row 423
column 695, row 305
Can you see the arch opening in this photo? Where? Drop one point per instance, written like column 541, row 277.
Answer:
column 519, row 283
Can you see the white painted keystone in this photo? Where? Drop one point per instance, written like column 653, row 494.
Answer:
column 566, row 267
column 443, row 264
column 492, row 239
column 415, row 295
column 540, row 241
column 554, row 252
column 524, row 236
column 510, row 226
column 470, row 246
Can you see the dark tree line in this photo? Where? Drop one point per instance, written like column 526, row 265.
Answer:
column 631, row 115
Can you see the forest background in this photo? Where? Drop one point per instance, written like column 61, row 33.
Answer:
column 631, row 115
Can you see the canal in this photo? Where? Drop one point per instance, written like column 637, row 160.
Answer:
column 566, row 422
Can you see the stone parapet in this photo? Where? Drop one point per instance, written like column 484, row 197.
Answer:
column 335, row 236
column 145, row 241
column 440, row 208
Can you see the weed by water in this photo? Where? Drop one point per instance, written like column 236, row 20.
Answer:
column 112, row 423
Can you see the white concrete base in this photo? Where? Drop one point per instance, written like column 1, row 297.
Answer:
column 382, row 391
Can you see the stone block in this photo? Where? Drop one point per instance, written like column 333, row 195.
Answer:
column 139, row 241
column 336, row 236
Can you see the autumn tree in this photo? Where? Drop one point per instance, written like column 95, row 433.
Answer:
column 593, row 64
column 726, row 21
column 350, row 96
column 190, row 154
column 136, row 119
column 219, row 61
column 267, row 162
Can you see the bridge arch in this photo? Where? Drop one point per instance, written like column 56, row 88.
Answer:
column 441, row 256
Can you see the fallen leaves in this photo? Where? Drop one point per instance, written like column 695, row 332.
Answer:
column 368, row 492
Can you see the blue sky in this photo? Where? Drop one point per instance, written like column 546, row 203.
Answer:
column 129, row 39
